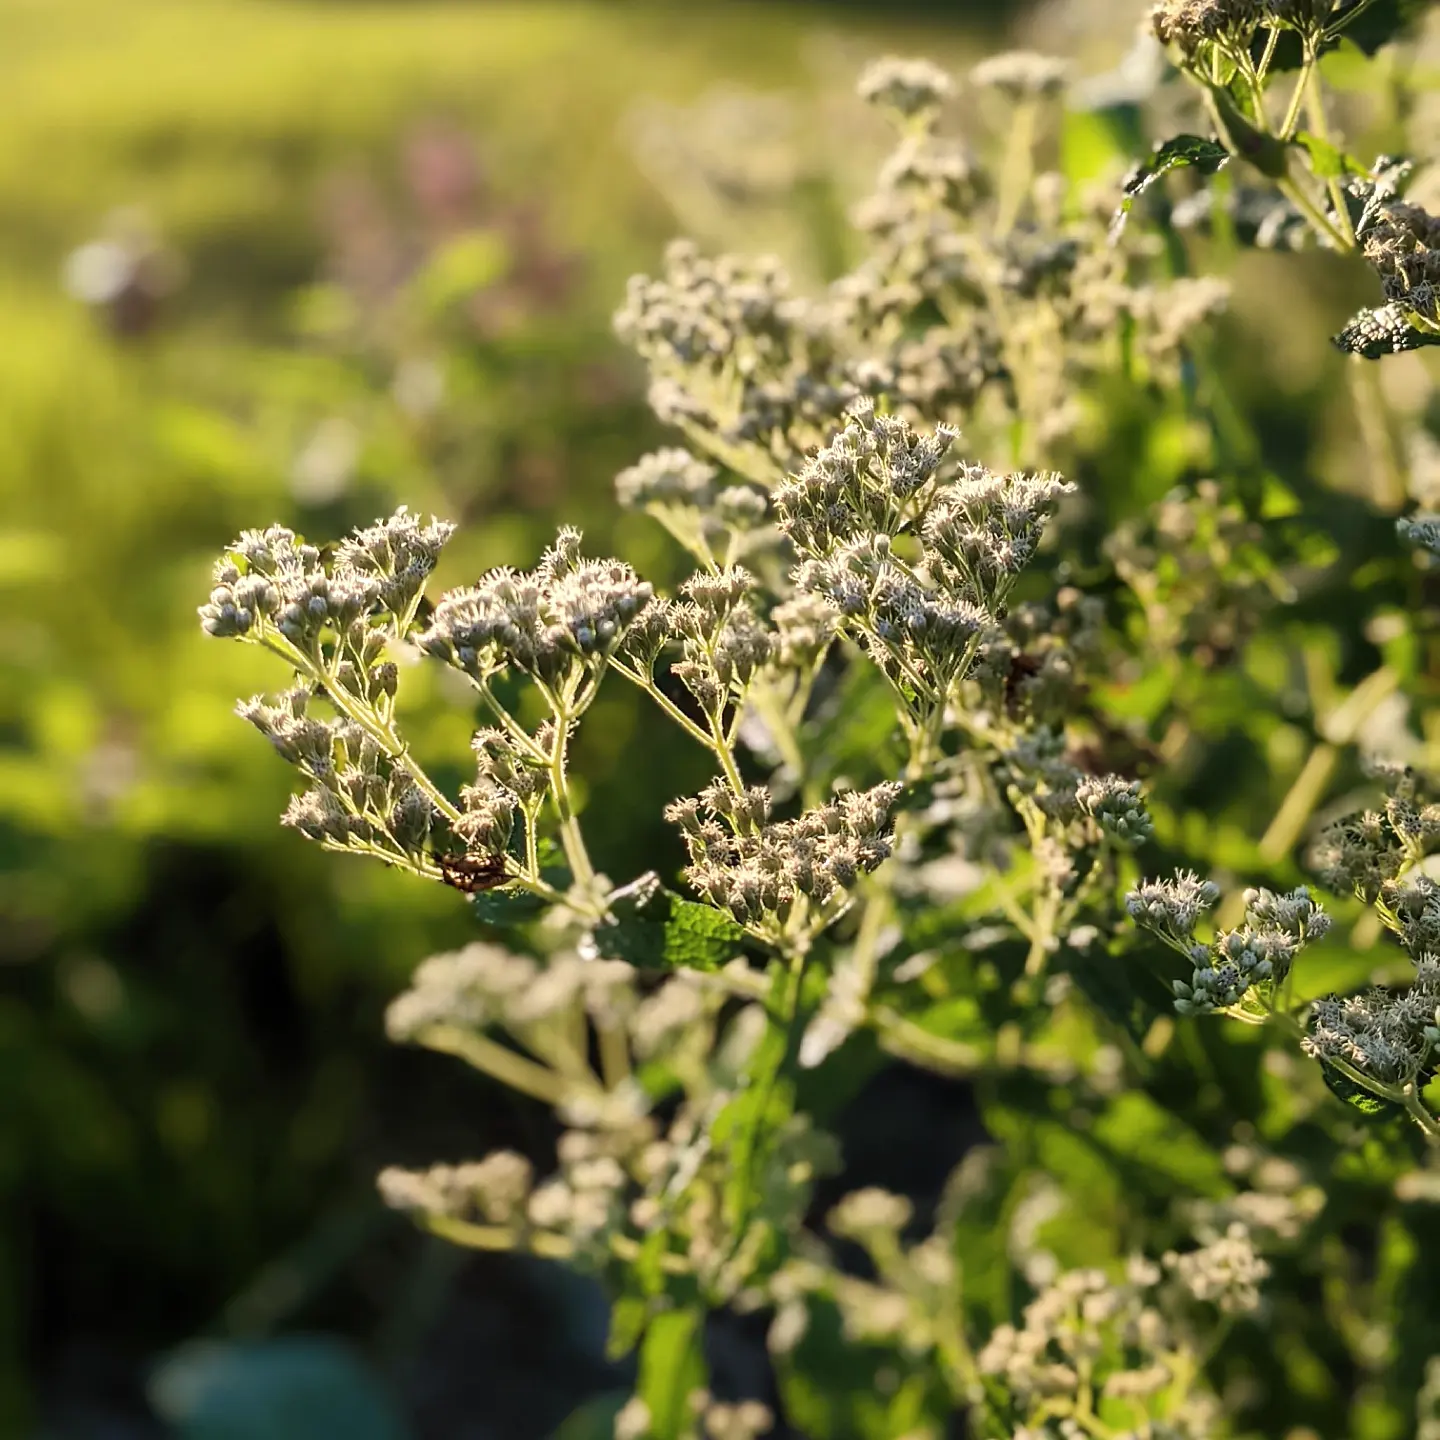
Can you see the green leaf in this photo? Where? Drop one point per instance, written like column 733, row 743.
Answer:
column 1375, row 25
column 1121, row 987
column 505, row 907
column 595, row 1419
column 1357, row 1096
column 1328, row 161
column 1136, row 1128
column 672, row 1368
column 1266, row 153
column 836, row 1389
column 289, row 1389
column 460, row 269
column 654, row 929
column 1180, row 153
column 1380, row 23
column 1387, row 330
column 628, row 1318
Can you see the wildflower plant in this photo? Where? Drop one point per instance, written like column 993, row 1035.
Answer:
column 918, row 833
column 986, row 295
column 1256, row 69
column 1379, row 1047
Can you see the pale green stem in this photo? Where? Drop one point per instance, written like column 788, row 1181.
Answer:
column 512, row 727
column 532, row 841
column 1263, row 69
column 1019, row 166
column 390, row 857
column 572, row 840
column 1043, row 939
column 1297, row 98
column 1372, row 412
column 1334, row 31
column 1320, row 123
column 614, row 1055
column 725, row 756
column 498, row 1237
column 361, row 715
column 1308, row 789
column 562, row 1042
column 1299, row 804
column 770, row 709
column 908, row 1041
column 649, row 686
column 536, row 1242
column 1429, row 1125
column 1295, row 193
column 783, row 1015
column 497, row 1061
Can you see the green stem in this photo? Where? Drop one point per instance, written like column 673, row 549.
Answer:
column 361, row 715
column 785, row 1016
column 1320, row 123
column 1333, row 32
column 1297, row 98
column 726, row 757
column 908, row 1041
column 614, row 1055
column 536, row 1242
column 498, row 1237
column 512, row 727
column 1299, row 804
column 1019, row 166
column 1312, row 212
column 1372, row 413
column 768, row 706
column 497, row 1061
column 648, row 685
column 572, row 840
column 1043, row 938
column 1263, row 69
column 1429, row 1125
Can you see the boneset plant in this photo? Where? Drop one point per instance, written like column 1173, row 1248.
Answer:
column 1377, row 1048
column 912, row 841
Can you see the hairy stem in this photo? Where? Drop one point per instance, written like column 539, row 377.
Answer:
column 497, row 1061
column 362, row 715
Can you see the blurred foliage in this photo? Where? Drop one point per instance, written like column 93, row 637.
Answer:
column 196, row 1093
column 191, row 1015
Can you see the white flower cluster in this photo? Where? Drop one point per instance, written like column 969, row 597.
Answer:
column 923, row 619
column 493, row 1190
column 358, row 798
column 567, row 613
column 1366, row 852
column 1227, row 969
column 1087, row 1335
column 1189, row 22
column 627, row 1168
column 1226, row 1273
column 272, row 577
column 909, row 87
column 982, row 294
column 735, row 358
column 757, row 868
column 711, row 1419
column 486, row 985
column 1389, row 1036
column 1421, row 531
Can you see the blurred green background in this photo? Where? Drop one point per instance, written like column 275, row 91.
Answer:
column 260, row 261
column 263, row 260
